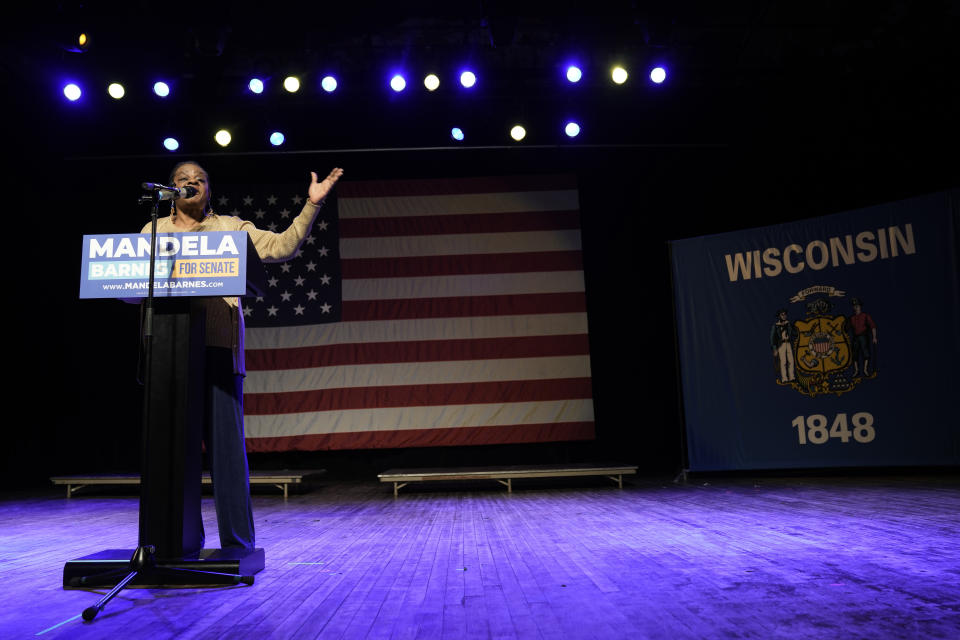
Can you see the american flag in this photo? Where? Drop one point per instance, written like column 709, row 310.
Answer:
column 427, row 313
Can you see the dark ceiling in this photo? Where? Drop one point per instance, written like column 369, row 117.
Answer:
column 740, row 72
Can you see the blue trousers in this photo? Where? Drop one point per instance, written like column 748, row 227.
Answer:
column 226, row 450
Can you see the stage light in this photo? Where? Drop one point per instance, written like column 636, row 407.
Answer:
column 658, row 74
column 291, row 84
column 619, row 75
column 468, row 79
column 329, row 84
column 398, row 83
column 223, row 137
column 574, row 74
column 162, row 89
column 74, row 43
column 572, row 129
column 255, row 85
column 116, row 90
column 72, row 92
column 81, row 44
column 276, row 138
column 171, row 144
column 431, row 82
column 456, row 133
column 518, row 133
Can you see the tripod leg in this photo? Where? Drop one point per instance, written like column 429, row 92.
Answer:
column 141, row 560
column 91, row 612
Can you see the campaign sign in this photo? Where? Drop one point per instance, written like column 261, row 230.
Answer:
column 828, row 342
column 212, row 263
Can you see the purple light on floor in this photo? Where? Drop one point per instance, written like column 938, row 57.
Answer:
column 658, row 75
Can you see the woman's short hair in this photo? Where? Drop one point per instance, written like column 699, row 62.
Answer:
column 176, row 167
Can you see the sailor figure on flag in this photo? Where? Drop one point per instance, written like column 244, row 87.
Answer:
column 782, row 336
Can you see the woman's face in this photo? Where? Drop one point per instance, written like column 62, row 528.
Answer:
column 193, row 176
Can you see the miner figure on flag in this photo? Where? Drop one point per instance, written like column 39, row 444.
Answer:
column 864, row 332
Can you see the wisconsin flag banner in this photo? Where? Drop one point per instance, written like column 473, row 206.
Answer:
column 826, row 342
column 422, row 313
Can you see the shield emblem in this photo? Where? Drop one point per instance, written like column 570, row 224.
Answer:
column 823, row 344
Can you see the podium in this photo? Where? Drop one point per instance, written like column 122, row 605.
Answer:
column 169, row 552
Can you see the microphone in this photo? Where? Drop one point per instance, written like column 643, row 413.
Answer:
column 170, row 193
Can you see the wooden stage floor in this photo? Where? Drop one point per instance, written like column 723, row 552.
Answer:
column 789, row 558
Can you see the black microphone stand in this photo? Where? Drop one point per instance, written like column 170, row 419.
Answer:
column 143, row 563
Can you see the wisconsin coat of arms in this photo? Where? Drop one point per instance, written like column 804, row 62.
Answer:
column 825, row 351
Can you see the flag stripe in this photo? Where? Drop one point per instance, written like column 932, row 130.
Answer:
column 417, row 351
column 459, row 244
column 401, row 373
column 472, row 285
column 417, row 329
column 465, row 204
column 416, row 396
column 467, row 264
column 459, row 436
column 458, row 224
column 431, row 417
column 462, row 307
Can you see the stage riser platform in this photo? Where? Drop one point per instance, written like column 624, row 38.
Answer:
column 504, row 475
column 279, row 479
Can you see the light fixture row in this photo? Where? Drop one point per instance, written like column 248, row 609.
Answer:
column 398, row 82
column 518, row 132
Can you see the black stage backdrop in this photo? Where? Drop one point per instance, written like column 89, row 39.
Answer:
column 74, row 362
